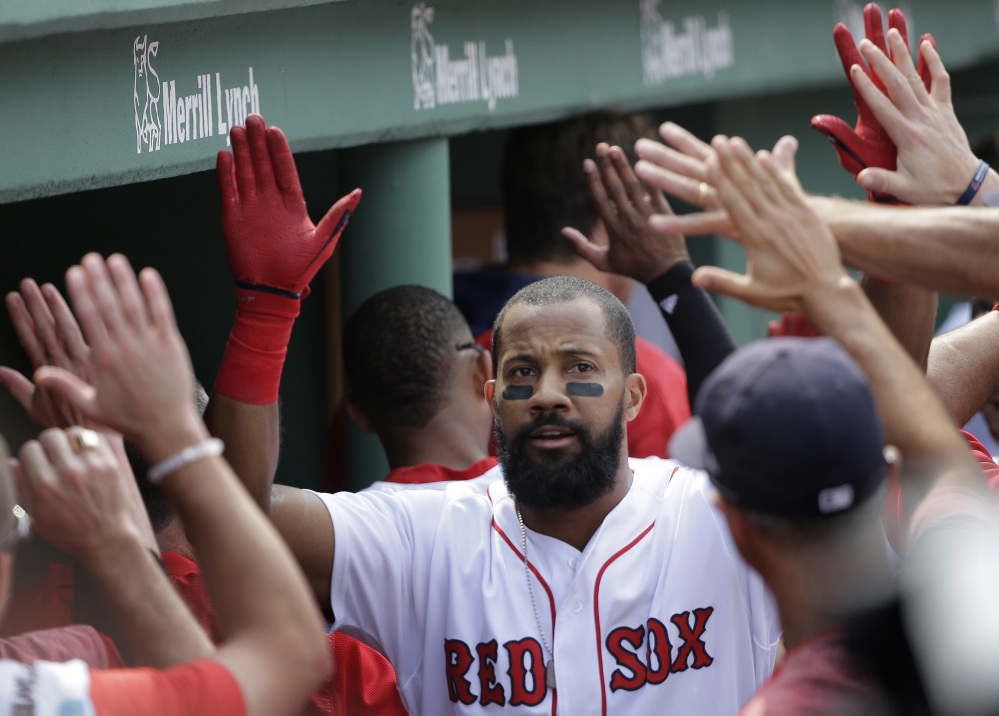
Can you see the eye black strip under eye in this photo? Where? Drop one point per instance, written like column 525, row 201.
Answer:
column 584, row 390
column 518, row 392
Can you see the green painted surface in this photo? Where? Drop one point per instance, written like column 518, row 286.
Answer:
column 344, row 74
column 400, row 233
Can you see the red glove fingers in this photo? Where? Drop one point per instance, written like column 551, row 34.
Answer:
column 274, row 251
column 792, row 324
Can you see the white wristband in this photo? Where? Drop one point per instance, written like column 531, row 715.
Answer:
column 210, row 447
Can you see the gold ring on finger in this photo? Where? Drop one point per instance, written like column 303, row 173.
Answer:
column 86, row 440
column 702, row 193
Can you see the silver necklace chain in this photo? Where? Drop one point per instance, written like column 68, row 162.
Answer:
column 550, row 666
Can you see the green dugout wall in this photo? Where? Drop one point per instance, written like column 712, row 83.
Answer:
column 110, row 119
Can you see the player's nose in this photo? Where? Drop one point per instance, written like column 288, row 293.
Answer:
column 549, row 393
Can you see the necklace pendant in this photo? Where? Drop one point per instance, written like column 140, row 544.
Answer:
column 550, row 674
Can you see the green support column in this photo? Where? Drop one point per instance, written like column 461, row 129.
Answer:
column 401, row 233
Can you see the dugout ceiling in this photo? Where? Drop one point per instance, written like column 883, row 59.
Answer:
column 105, row 92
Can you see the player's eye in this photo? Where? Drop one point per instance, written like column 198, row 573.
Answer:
column 521, row 371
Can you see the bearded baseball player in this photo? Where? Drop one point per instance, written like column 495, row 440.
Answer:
column 578, row 583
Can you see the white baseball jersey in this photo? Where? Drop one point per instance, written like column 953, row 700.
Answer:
column 658, row 614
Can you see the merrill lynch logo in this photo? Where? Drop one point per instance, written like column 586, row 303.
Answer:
column 698, row 49
column 437, row 79
column 186, row 117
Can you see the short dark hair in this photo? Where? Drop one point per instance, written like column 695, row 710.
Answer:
column 399, row 347
column 544, row 187
column 561, row 289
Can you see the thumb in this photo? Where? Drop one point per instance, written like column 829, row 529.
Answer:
column 731, row 283
column 879, row 181
column 73, row 390
column 332, row 225
column 848, row 146
column 596, row 255
column 20, row 388
column 784, row 152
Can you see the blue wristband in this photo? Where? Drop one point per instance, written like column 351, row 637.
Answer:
column 975, row 185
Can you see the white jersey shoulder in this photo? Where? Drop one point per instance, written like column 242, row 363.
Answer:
column 45, row 689
column 658, row 613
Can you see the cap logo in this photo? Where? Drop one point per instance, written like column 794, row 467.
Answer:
column 835, row 499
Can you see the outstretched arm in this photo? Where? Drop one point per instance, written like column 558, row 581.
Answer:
column 794, row 264
column 963, row 367
column 274, row 251
column 275, row 646
column 661, row 262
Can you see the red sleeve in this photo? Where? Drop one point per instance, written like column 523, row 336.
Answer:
column 895, row 518
column 202, row 687
column 666, row 406
column 985, row 461
column 45, row 604
column 78, row 641
column 362, row 682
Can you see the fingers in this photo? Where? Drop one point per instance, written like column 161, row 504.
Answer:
column 888, row 115
column 633, row 189
column 896, row 21
column 20, row 388
column 256, row 137
column 729, row 283
column 685, row 142
column 923, row 70
column 896, row 79
column 245, row 181
column 132, row 302
column 226, row 174
column 785, row 151
column 874, row 26
column 24, row 326
column 934, row 74
column 78, row 287
column 76, row 392
column 104, row 294
column 155, row 292
column 66, row 325
column 672, row 159
column 597, row 183
column 285, row 173
column 596, row 255
column 694, row 224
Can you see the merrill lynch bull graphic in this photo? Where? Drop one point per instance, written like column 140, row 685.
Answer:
column 147, row 123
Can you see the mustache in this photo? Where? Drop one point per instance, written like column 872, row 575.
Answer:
column 554, row 420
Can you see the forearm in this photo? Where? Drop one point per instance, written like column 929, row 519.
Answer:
column 944, row 248
column 963, row 366
column 914, row 419
column 697, row 326
column 158, row 626
column 908, row 311
column 251, row 434
column 275, row 640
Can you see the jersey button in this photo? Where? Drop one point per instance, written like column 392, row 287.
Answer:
column 573, row 561
column 576, row 607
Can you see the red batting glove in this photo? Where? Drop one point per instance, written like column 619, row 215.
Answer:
column 792, row 324
column 274, row 250
column 866, row 144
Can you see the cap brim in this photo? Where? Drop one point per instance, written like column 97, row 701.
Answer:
column 689, row 444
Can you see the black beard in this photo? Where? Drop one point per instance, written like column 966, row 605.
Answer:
column 560, row 482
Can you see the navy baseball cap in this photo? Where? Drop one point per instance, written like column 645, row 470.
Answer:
column 787, row 427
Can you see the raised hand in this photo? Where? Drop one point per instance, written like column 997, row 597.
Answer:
column 935, row 163
column 141, row 370
column 624, row 207
column 792, row 257
column 80, row 499
column 50, row 335
column 274, row 250
column 270, row 241
column 866, row 144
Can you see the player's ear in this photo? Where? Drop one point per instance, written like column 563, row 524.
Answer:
column 635, row 390
column 358, row 415
column 482, row 370
column 489, row 390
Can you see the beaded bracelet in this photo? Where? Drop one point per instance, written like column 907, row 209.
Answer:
column 210, row 447
column 975, row 185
